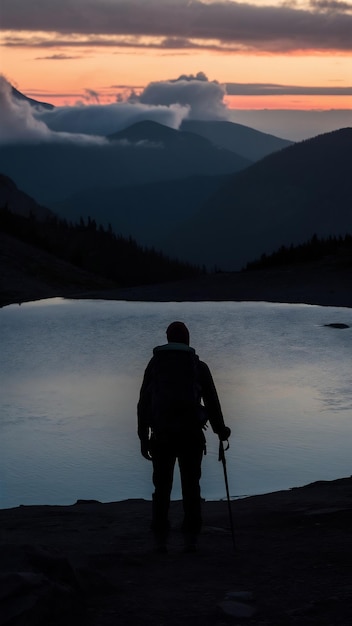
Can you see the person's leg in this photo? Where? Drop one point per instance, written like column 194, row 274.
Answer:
column 190, row 460
column 163, row 458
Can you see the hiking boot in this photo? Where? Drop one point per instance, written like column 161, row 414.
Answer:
column 160, row 548
column 160, row 545
column 190, row 542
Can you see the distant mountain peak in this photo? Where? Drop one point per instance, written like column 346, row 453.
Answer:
column 281, row 200
column 178, row 142
column 247, row 142
column 19, row 202
column 34, row 103
column 145, row 130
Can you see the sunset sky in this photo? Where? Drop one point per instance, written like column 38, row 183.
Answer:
column 294, row 54
column 69, row 50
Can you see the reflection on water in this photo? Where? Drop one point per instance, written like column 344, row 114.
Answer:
column 70, row 375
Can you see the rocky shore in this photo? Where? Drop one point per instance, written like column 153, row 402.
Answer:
column 93, row 563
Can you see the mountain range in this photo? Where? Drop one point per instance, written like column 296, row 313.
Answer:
column 146, row 152
column 150, row 210
column 228, row 221
column 212, row 193
column 44, row 256
column 284, row 199
column 144, row 180
column 247, row 142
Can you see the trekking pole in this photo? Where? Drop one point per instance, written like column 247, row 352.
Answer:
column 223, row 461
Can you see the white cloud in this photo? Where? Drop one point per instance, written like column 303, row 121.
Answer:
column 270, row 89
column 204, row 98
column 21, row 122
column 166, row 102
column 110, row 118
column 16, row 119
column 18, row 122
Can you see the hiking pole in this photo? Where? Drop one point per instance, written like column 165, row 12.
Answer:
column 223, row 461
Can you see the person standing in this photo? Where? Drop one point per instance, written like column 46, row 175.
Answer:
column 177, row 398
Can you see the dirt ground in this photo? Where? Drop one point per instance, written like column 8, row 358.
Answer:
column 291, row 563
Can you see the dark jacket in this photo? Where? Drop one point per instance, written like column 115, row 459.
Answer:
column 208, row 393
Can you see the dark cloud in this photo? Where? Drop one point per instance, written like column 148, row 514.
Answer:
column 86, row 41
column 331, row 5
column 178, row 43
column 57, row 57
column 262, row 89
column 324, row 25
column 91, row 95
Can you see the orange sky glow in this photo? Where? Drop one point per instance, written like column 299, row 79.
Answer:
column 300, row 45
column 65, row 80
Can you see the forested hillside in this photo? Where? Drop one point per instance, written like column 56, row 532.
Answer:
column 333, row 250
column 89, row 247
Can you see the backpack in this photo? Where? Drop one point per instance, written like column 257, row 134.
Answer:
column 176, row 392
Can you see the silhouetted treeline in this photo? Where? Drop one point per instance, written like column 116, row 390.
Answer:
column 339, row 248
column 95, row 249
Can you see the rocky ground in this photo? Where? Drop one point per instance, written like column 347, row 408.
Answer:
column 94, row 564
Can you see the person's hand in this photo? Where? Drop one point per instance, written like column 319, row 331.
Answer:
column 145, row 449
column 224, row 434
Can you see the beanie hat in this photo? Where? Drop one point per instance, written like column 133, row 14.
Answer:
column 177, row 332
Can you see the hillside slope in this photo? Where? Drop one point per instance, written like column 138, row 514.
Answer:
column 148, row 212
column 247, row 142
column 51, row 172
column 42, row 256
column 287, row 197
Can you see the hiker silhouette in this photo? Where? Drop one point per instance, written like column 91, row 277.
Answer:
column 177, row 399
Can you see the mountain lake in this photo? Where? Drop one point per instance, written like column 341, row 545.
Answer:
column 70, row 375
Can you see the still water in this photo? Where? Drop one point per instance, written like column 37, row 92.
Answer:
column 70, row 373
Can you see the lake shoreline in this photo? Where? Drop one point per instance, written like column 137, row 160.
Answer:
column 94, row 563
column 314, row 284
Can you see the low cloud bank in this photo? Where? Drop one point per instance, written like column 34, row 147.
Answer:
column 19, row 123
column 167, row 102
column 106, row 119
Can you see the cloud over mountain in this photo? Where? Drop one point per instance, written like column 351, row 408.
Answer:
column 204, row 98
column 16, row 118
column 18, row 122
column 105, row 119
column 166, row 102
